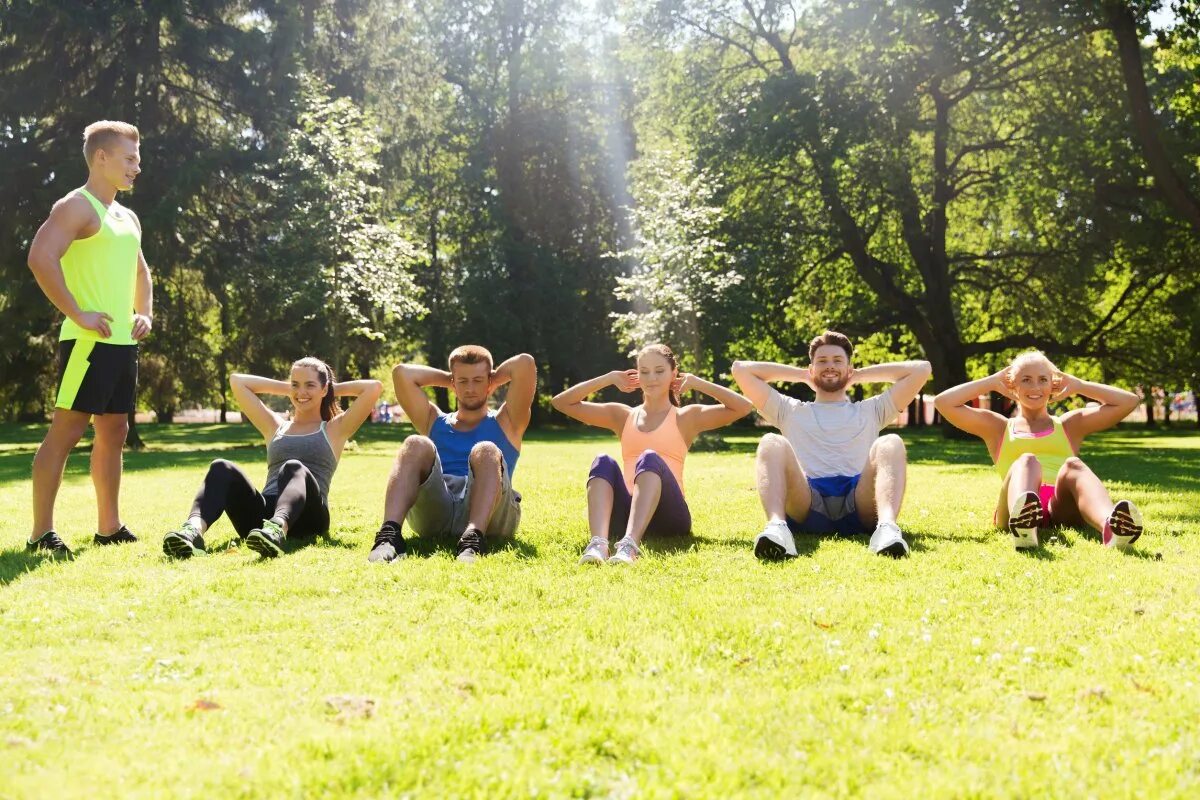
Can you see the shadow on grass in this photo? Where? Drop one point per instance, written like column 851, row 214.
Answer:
column 17, row 562
column 429, row 546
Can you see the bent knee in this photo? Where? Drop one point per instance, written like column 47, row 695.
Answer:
column 889, row 445
column 1072, row 466
column 220, row 465
column 416, row 444
column 292, row 466
column 1026, row 460
column 772, row 443
column 650, row 460
column 485, row 453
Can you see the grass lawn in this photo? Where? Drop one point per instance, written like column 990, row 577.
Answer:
column 967, row 670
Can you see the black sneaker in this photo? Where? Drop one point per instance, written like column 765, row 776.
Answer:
column 267, row 541
column 49, row 544
column 470, row 545
column 184, row 542
column 122, row 536
column 389, row 545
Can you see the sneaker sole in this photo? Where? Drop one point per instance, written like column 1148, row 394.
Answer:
column 589, row 559
column 1023, row 525
column 396, row 557
column 1125, row 523
column 262, row 545
column 895, row 550
column 768, row 549
column 178, row 547
column 619, row 562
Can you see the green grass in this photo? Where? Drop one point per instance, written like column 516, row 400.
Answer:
column 967, row 670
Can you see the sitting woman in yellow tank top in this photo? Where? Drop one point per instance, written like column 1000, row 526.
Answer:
column 1037, row 454
column 647, row 495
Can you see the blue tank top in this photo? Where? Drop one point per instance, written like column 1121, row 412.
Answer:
column 454, row 446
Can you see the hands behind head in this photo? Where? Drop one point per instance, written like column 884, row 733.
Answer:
column 682, row 383
column 1063, row 386
column 1004, row 383
column 626, row 380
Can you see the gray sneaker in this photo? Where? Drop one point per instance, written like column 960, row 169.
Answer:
column 627, row 552
column 596, row 551
column 888, row 541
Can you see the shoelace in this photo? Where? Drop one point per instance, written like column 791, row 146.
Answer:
column 51, row 541
column 386, row 536
column 470, row 540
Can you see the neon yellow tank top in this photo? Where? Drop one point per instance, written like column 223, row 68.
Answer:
column 1051, row 448
column 101, row 272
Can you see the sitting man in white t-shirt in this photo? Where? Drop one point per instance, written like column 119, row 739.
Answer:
column 830, row 471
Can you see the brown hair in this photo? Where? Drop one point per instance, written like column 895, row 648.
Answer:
column 329, row 406
column 470, row 354
column 100, row 134
column 665, row 352
column 830, row 337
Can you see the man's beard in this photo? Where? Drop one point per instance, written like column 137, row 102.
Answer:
column 472, row 406
column 833, row 384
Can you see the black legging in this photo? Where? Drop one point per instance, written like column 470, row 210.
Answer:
column 226, row 489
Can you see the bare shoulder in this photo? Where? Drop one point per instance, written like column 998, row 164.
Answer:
column 73, row 204
column 73, row 215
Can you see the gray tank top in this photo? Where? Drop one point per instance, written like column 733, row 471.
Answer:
column 313, row 450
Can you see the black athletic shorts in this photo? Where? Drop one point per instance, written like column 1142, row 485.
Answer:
column 95, row 377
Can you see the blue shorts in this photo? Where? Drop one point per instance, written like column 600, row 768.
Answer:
column 833, row 509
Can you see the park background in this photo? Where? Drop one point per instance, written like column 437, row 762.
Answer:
column 373, row 181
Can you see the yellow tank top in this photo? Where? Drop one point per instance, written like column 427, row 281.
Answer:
column 101, row 272
column 666, row 440
column 1052, row 448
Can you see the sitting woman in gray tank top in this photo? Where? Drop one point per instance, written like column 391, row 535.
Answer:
column 302, row 455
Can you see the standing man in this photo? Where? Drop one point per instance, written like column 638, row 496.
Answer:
column 453, row 478
column 830, row 471
column 87, row 258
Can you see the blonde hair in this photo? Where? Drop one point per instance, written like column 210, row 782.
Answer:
column 100, row 134
column 1029, row 357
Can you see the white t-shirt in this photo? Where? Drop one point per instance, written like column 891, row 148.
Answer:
column 830, row 438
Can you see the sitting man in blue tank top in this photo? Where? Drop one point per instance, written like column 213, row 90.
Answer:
column 453, row 478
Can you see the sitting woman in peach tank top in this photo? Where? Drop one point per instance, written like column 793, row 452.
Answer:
column 647, row 495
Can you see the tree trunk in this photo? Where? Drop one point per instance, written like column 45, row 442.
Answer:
column 1171, row 185
column 1150, row 422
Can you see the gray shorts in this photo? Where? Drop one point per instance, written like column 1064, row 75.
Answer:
column 443, row 502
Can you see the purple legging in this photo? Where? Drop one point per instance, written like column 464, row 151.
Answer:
column 670, row 518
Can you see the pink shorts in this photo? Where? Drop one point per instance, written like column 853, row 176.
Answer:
column 1046, row 495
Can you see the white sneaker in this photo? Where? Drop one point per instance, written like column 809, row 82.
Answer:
column 1123, row 526
column 1023, row 520
column 888, row 541
column 627, row 552
column 775, row 543
column 596, row 551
